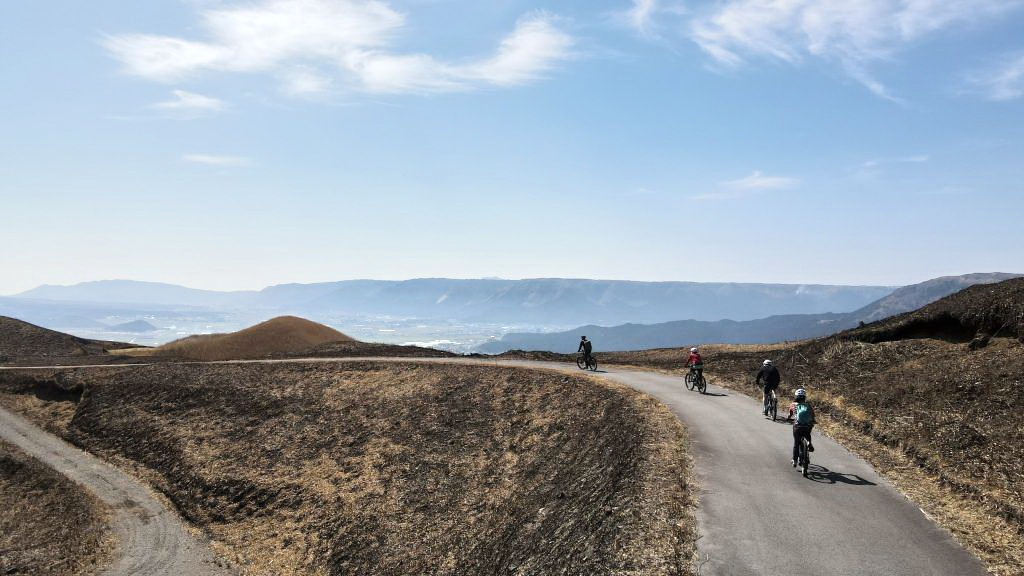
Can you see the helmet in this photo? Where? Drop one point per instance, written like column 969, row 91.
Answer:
column 693, row 349
column 800, row 393
column 766, row 363
column 583, row 337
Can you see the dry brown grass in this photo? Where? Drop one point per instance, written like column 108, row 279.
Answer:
column 49, row 526
column 403, row 469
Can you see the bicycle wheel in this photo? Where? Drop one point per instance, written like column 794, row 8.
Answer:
column 592, row 364
column 702, row 384
column 581, row 362
column 689, row 381
column 773, row 408
column 805, row 457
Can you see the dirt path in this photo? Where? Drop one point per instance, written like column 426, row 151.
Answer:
column 757, row 515
column 152, row 540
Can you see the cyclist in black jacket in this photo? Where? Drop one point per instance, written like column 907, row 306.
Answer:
column 768, row 377
column 586, row 346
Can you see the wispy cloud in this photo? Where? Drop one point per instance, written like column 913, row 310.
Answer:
column 759, row 181
column 215, row 160
column 914, row 159
column 1001, row 81
column 756, row 183
column 190, row 103
column 855, row 34
column 650, row 18
column 313, row 45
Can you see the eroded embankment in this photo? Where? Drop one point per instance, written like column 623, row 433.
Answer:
column 48, row 524
column 403, row 468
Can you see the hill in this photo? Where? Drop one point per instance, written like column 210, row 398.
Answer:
column 279, row 336
column 19, row 339
column 991, row 310
column 760, row 331
column 135, row 292
column 390, row 468
column 134, row 326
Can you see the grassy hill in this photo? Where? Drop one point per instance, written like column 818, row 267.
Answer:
column 20, row 339
column 279, row 336
column 385, row 468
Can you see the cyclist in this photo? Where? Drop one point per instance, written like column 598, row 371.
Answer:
column 695, row 363
column 803, row 422
column 768, row 378
column 586, row 346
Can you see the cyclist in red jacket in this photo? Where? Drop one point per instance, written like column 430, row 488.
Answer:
column 695, row 363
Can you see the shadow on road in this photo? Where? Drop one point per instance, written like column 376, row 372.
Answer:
column 715, row 394
column 823, row 475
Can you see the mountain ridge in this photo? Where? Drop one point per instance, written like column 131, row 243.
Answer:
column 775, row 328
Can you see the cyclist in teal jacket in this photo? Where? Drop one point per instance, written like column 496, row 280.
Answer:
column 803, row 422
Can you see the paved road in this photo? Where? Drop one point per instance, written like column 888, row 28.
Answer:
column 758, row 515
column 152, row 540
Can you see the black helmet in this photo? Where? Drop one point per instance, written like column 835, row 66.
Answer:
column 583, row 337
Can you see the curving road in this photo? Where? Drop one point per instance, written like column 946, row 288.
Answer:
column 152, row 540
column 757, row 514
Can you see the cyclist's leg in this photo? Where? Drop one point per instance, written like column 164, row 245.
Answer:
column 810, row 445
column 796, row 445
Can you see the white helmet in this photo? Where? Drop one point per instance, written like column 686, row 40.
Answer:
column 800, row 393
column 693, row 349
column 766, row 363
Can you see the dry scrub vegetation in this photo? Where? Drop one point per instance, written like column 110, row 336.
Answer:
column 394, row 468
column 49, row 526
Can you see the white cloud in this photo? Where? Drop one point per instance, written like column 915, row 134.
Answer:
column 650, row 18
column 191, row 103
column 641, row 15
column 214, row 160
column 852, row 33
column 756, row 183
column 308, row 44
column 1002, row 81
column 914, row 159
column 304, row 81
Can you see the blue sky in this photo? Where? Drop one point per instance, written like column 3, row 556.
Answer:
column 231, row 145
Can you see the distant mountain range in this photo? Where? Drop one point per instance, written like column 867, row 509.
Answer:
column 764, row 330
column 544, row 301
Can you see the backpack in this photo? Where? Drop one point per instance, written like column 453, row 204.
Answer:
column 804, row 415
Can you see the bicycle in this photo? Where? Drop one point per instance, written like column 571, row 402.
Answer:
column 803, row 456
column 585, row 362
column 695, row 380
column 771, row 404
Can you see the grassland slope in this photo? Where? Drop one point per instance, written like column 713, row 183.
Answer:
column 990, row 309
column 279, row 336
column 395, row 469
column 19, row 339
column 49, row 526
